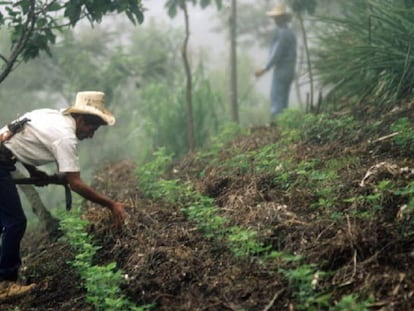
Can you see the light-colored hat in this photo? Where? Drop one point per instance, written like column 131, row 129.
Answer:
column 91, row 103
column 278, row 10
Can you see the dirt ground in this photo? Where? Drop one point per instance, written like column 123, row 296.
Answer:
column 172, row 264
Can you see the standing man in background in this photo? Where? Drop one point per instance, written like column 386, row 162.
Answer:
column 282, row 58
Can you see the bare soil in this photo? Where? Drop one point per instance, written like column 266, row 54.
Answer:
column 169, row 262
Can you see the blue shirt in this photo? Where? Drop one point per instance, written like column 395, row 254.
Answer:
column 283, row 53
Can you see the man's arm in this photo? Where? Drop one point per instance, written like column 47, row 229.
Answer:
column 272, row 57
column 80, row 187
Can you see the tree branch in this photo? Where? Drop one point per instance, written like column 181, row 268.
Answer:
column 18, row 48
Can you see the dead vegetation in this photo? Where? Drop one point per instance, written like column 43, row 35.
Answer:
column 168, row 261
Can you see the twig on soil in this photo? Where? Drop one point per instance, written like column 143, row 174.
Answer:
column 270, row 304
column 323, row 231
column 397, row 288
column 350, row 235
column 377, row 304
column 354, row 259
column 378, row 168
column 386, row 137
column 365, row 262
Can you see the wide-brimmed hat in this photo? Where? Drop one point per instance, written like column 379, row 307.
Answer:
column 91, row 103
column 278, row 10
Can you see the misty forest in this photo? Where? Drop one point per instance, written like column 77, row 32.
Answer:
column 227, row 208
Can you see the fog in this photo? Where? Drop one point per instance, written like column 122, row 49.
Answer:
column 204, row 35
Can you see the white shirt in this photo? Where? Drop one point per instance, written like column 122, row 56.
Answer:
column 48, row 137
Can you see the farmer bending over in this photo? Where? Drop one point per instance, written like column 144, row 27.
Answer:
column 47, row 136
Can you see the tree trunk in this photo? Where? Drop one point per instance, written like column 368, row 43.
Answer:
column 305, row 43
column 50, row 223
column 233, row 63
column 188, row 93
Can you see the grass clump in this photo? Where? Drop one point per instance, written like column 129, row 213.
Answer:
column 370, row 46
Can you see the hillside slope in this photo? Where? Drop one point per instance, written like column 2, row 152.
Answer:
column 341, row 197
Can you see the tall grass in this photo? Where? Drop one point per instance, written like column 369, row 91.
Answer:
column 367, row 54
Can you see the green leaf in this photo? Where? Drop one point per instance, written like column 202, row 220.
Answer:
column 171, row 6
column 55, row 6
column 73, row 11
column 25, row 5
column 138, row 14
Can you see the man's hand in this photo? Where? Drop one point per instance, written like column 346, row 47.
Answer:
column 39, row 175
column 118, row 213
column 5, row 135
column 80, row 187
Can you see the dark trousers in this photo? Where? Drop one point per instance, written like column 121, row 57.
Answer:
column 12, row 226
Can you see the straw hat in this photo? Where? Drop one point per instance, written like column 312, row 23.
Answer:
column 278, row 10
column 91, row 103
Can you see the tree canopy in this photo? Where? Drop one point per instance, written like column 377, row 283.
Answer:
column 33, row 25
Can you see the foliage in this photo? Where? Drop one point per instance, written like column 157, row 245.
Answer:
column 406, row 212
column 253, row 26
column 320, row 177
column 151, row 54
column 303, row 280
column 350, row 302
column 101, row 282
column 366, row 54
column 164, row 114
column 142, row 83
column 151, row 172
column 266, row 159
column 206, row 215
column 172, row 6
column 218, row 141
column 318, row 129
column 299, row 6
column 85, row 61
column 377, row 200
column 34, row 25
column 405, row 137
column 244, row 242
column 198, row 208
column 325, row 185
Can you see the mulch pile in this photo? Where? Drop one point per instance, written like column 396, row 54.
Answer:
column 167, row 261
